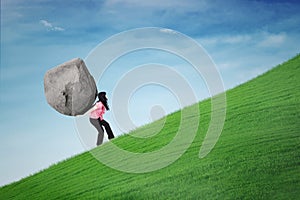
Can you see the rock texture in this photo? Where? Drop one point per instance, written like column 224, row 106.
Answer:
column 69, row 88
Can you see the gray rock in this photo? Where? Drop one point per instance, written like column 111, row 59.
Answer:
column 69, row 88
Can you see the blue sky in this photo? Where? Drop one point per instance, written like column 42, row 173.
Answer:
column 243, row 38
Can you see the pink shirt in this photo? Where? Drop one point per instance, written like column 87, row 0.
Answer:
column 98, row 111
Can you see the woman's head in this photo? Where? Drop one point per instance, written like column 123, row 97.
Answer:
column 102, row 97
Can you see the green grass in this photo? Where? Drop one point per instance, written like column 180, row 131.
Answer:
column 256, row 157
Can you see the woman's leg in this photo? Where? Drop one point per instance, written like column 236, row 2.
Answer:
column 96, row 124
column 107, row 128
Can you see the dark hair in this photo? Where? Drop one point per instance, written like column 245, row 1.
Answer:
column 103, row 99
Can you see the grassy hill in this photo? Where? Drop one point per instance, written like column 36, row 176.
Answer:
column 256, row 157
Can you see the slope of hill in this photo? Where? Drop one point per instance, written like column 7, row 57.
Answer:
column 256, row 156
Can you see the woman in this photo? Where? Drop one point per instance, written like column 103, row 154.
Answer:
column 96, row 118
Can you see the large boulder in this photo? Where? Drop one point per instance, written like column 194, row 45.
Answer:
column 69, row 88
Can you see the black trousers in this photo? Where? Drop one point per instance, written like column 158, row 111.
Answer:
column 97, row 123
column 107, row 128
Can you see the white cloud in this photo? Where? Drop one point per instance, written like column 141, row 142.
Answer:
column 226, row 39
column 165, row 30
column 56, row 28
column 272, row 40
column 236, row 39
column 241, row 57
column 260, row 39
column 46, row 23
column 50, row 27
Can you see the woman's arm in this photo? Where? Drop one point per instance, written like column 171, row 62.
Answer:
column 95, row 107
